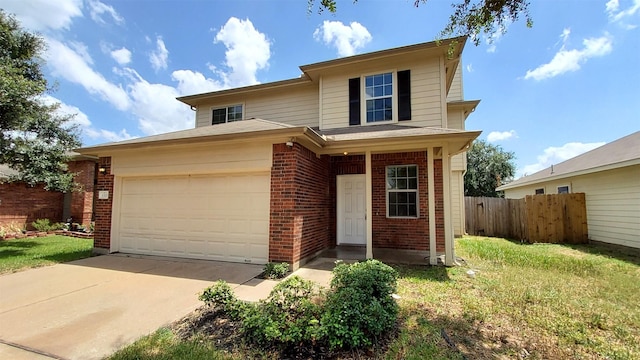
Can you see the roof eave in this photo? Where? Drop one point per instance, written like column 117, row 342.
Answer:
column 293, row 133
column 570, row 174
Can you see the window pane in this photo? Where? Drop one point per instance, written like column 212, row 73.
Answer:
column 413, row 184
column 402, row 183
column 393, row 210
column 402, row 171
column 411, row 198
column 219, row 116
column 370, row 105
column 402, row 197
column 368, row 81
column 377, row 80
column 412, row 210
column 368, row 92
column 387, row 78
column 402, row 210
column 388, row 90
column 412, row 170
column 393, row 198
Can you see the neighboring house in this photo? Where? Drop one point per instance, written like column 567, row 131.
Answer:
column 363, row 150
column 21, row 204
column 610, row 178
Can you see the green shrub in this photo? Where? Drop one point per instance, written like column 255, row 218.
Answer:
column 43, row 225
column 221, row 295
column 359, row 307
column 276, row 270
column 289, row 316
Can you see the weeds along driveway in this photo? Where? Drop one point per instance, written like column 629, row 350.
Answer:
column 87, row 309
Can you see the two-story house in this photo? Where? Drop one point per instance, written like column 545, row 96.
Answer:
column 363, row 150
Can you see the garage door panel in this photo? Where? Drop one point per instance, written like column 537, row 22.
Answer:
column 204, row 216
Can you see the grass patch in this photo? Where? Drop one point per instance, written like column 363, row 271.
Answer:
column 526, row 301
column 22, row 254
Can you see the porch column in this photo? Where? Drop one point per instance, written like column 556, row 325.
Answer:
column 433, row 259
column 449, row 251
column 369, row 201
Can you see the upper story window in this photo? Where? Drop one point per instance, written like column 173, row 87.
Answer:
column 378, row 92
column 563, row 189
column 387, row 97
column 540, row 191
column 226, row 114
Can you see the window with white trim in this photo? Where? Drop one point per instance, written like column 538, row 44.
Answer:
column 402, row 191
column 226, row 114
column 540, row 191
column 378, row 94
column 383, row 97
column 563, row 189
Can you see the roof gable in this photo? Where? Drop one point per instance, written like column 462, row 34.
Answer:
column 622, row 152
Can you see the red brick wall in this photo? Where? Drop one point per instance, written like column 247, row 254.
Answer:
column 409, row 234
column 102, row 232
column 21, row 204
column 300, row 202
column 82, row 199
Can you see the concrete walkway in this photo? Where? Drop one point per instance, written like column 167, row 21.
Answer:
column 89, row 308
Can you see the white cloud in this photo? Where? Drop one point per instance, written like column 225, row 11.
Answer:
column 72, row 66
column 248, row 50
column 156, row 107
column 44, row 14
column 346, row 39
column 469, row 67
column 160, row 56
column 570, row 60
column 615, row 14
column 122, row 56
column 193, row 82
column 555, row 155
column 82, row 121
column 97, row 9
column 496, row 136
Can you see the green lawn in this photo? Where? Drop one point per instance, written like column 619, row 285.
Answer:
column 525, row 301
column 22, row 254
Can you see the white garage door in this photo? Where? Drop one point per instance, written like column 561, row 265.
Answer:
column 196, row 216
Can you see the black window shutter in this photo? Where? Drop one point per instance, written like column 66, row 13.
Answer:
column 354, row 101
column 404, row 95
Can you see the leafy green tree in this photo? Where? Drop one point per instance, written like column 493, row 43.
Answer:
column 488, row 166
column 35, row 139
column 470, row 18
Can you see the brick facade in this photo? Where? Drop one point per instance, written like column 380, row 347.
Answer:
column 300, row 204
column 21, row 204
column 408, row 234
column 82, row 198
column 102, row 233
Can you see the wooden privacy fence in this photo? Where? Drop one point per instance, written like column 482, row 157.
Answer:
column 557, row 218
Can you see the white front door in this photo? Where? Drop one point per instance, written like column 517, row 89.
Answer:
column 351, row 204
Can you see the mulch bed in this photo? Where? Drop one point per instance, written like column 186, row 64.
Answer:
column 213, row 325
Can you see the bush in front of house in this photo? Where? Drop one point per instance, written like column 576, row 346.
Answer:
column 356, row 311
column 359, row 308
column 45, row 225
column 275, row 270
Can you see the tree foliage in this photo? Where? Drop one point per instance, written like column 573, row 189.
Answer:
column 471, row 18
column 35, row 139
column 488, row 166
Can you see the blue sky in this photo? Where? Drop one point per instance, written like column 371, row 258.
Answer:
column 565, row 86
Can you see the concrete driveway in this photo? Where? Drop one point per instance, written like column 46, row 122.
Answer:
column 89, row 308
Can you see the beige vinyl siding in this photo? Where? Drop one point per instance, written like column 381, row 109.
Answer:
column 457, row 202
column 296, row 106
column 201, row 159
column 613, row 203
column 426, row 99
column 455, row 91
column 456, row 121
